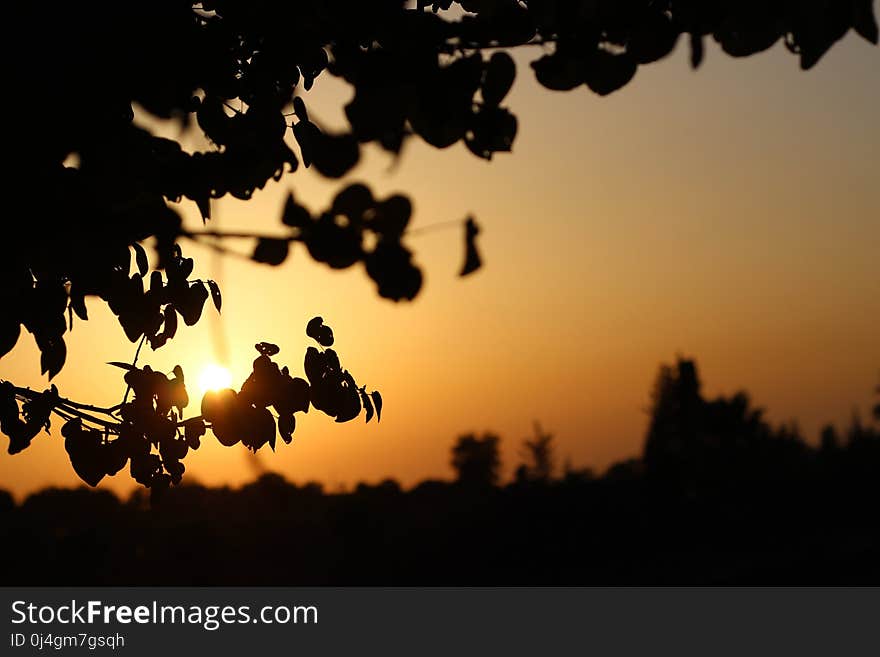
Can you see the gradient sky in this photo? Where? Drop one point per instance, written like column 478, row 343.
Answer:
column 731, row 215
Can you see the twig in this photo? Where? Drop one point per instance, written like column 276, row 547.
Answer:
column 430, row 228
column 219, row 248
column 133, row 363
column 27, row 394
column 88, row 417
column 218, row 234
column 68, row 409
column 197, row 235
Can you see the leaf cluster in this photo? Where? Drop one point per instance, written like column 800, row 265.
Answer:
column 241, row 73
column 337, row 237
column 149, row 433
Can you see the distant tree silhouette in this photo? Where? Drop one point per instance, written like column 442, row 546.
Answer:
column 829, row 440
column 858, row 432
column 571, row 474
column 877, row 407
column 694, row 440
column 540, row 462
column 98, row 184
column 676, row 417
column 476, row 461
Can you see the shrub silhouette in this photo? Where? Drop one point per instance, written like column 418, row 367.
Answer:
column 476, row 461
column 240, row 73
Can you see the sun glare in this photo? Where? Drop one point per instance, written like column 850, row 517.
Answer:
column 214, row 377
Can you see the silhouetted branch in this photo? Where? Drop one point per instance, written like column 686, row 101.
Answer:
column 27, row 394
column 198, row 235
column 68, row 408
column 133, row 363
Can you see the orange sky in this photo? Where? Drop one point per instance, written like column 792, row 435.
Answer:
column 730, row 215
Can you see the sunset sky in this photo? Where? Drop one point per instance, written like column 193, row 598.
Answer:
column 731, row 215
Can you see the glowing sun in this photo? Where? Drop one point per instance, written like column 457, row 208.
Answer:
column 214, row 377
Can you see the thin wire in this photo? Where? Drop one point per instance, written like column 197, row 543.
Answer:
column 219, row 336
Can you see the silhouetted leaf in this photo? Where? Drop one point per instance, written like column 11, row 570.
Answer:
column 697, row 51
column 140, row 258
column 114, row 457
column 292, row 395
column 213, row 120
column 267, row 348
column 78, row 303
column 605, row 72
column 334, row 155
column 307, row 136
column 472, row 260
column 216, row 403
column 9, row 332
column 320, row 333
column 286, row 427
column 299, row 109
column 145, row 468
column 270, row 251
column 493, row 130
column 204, row 204
column 348, row 401
column 379, row 114
column 559, row 72
column 392, row 216
column 498, row 78
column 353, row 202
column 215, row 294
column 185, row 268
column 390, row 265
column 125, row 366
column 337, row 246
column 83, row 446
column 443, row 102
column 653, row 37
column 170, row 329
column 368, row 405
column 313, row 326
column 192, row 302
column 175, row 470
column 313, row 364
column 52, row 357
column 193, row 430
column 377, row 402
column 294, row 214
column 258, row 428
column 864, row 21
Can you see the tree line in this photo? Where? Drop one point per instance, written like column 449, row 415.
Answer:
column 717, row 496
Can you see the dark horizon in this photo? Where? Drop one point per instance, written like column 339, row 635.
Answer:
column 718, row 496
